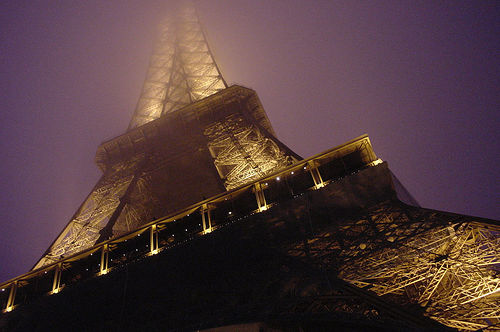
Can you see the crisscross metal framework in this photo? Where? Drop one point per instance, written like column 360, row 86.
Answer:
column 182, row 69
column 448, row 264
column 143, row 165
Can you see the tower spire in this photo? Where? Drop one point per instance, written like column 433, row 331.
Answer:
column 181, row 70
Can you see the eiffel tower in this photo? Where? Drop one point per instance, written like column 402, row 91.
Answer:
column 204, row 214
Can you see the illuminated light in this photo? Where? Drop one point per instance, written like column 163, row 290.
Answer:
column 390, row 239
column 138, row 234
column 263, row 208
column 291, row 173
column 55, row 291
column 265, row 184
column 154, row 252
column 136, row 249
column 186, row 230
column 362, row 246
column 305, row 167
column 45, row 272
column 3, row 289
column 9, row 309
column 123, row 255
column 229, row 212
column 103, row 272
column 376, row 162
column 278, row 178
column 320, row 185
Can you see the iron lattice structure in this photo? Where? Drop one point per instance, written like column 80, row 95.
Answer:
column 451, row 270
column 446, row 263
column 182, row 69
column 241, row 153
column 230, row 144
column 243, row 147
column 83, row 230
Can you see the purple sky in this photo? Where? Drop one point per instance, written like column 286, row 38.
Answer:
column 421, row 78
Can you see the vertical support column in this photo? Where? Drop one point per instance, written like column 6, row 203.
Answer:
column 367, row 145
column 206, row 220
column 104, row 259
column 313, row 169
column 261, row 198
column 56, row 285
column 12, row 297
column 153, row 239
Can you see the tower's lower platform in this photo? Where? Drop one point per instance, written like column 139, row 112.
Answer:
column 252, row 269
column 322, row 244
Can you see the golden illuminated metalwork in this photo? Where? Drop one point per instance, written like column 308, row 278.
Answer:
column 124, row 200
column 181, row 70
column 448, row 264
column 452, row 271
column 84, row 228
column 156, row 168
column 242, row 153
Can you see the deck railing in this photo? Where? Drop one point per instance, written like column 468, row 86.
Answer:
column 195, row 221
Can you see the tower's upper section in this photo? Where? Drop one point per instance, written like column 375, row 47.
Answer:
column 181, row 69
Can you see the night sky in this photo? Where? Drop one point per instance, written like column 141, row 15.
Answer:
column 420, row 77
